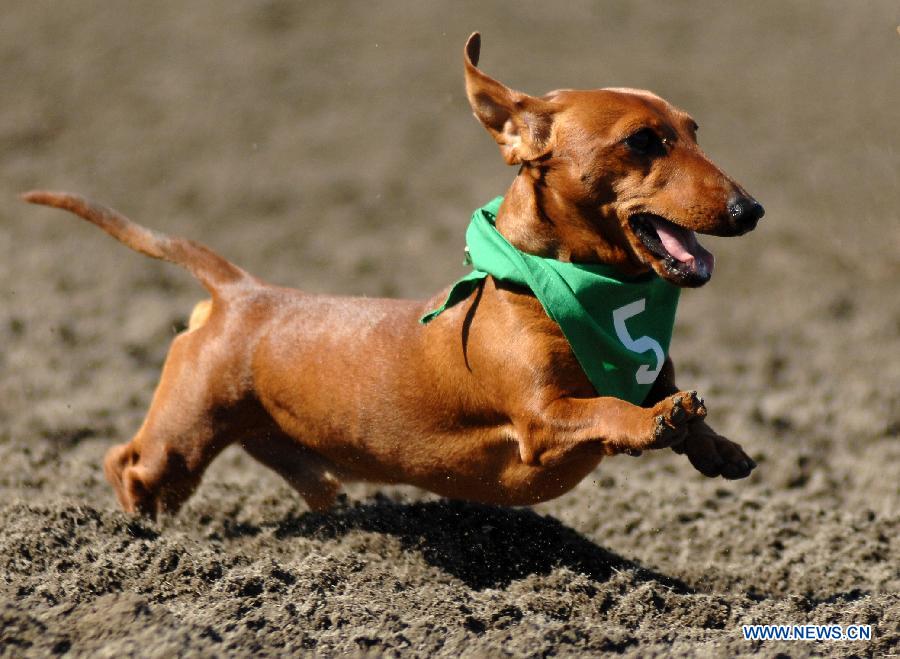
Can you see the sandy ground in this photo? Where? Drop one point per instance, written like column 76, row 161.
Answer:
column 329, row 146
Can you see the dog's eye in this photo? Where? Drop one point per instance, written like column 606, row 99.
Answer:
column 646, row 143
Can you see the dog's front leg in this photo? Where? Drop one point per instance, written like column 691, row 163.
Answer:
column 710, row 453
column 564, row 426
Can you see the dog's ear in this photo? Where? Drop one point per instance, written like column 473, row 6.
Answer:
column 521, row 124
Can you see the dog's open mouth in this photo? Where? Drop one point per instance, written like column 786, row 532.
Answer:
column 684, row 259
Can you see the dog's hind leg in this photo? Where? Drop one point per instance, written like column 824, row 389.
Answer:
column 307, row 472
column 183, row 431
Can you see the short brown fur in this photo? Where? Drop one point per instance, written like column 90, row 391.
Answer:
column 485, row 403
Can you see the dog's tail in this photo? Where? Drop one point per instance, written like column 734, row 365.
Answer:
column 213, row 271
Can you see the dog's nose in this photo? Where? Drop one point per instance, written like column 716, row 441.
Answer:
column 745, row 213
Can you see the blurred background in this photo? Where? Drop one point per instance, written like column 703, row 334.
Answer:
column 329, row 146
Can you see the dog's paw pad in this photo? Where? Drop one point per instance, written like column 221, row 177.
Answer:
column 713, row 455
column 673, row 415
column 738, row 469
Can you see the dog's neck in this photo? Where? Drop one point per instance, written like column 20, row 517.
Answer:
column 536, row 219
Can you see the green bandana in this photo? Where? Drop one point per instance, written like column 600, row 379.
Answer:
column 619, row 329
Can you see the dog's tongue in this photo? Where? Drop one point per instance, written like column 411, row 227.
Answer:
column 682, row 245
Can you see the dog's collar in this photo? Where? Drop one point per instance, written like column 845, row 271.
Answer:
column 618, row 328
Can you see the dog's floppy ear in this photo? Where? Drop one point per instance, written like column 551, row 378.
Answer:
column 521, row 124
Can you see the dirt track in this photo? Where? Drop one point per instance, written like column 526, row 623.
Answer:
column 331, row 148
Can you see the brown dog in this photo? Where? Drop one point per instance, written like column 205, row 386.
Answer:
column 487, row 401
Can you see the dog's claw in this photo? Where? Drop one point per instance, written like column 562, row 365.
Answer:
column 697, row 404
column 660, row 430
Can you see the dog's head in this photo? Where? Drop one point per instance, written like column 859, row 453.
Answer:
column 615, row 175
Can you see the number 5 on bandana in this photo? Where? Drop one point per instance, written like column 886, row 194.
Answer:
column 640, row 345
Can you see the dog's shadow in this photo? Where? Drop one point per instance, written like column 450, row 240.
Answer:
column 483, row 546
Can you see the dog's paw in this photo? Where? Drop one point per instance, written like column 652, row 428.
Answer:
column 672, row 415
column 713, row 455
